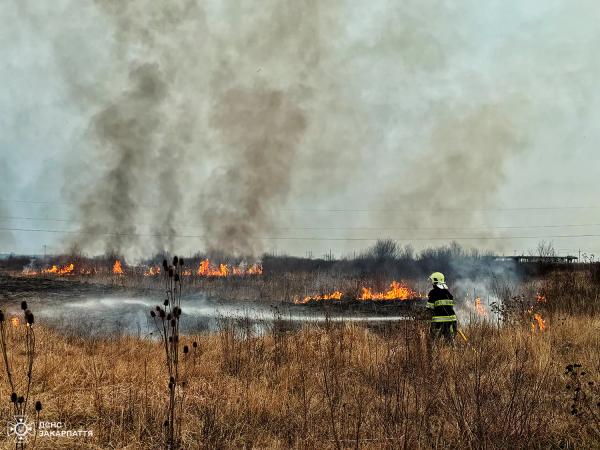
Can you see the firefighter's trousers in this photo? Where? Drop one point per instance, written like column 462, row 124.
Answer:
column 443, row 330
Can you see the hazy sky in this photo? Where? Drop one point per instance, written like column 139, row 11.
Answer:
column 298, row 127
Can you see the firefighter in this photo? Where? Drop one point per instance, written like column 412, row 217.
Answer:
column 441, row 302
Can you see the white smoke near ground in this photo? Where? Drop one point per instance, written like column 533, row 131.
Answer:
column 207, row 119
column 475, row 300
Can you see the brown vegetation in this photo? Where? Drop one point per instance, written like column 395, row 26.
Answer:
column 332, row 387
column 514, row 384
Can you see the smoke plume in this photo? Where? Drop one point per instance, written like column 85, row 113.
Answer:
column 459, row 169
column 233, row 108
column 214, row 125
column 128, row 132
column 262, row 129
column 6, row 238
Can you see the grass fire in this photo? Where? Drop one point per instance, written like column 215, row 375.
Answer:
column 299, row 225
column 289, row 345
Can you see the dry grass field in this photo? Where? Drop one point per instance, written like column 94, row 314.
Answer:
column 337, row 386
column 332, row 386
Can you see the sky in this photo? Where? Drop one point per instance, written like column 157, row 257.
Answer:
column 298, row 127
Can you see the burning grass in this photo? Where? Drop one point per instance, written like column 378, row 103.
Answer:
column 398, row 291
column 331, row 387
column 339, row 385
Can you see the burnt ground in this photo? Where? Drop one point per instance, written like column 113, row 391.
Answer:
column 56, row 302
column 376, row 307
column 19, row 287
column 23, row 287
column 91, row 309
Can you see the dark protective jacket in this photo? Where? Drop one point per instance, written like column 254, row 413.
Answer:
column 441, row 302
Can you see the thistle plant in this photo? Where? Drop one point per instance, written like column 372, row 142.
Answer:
column 166, row 318
column 19, row 402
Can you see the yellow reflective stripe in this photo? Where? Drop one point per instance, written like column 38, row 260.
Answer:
column 444, row 303
column 429, row 305
column 451, row 318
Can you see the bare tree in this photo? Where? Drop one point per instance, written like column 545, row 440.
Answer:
column 384, row 249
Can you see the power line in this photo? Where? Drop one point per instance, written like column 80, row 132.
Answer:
column 365, row 210
column 308, row 238
column 571, row 225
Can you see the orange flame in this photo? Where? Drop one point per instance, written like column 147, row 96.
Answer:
column 207, row 269
column 541, row 323
column 540, row 298
column 69, row 268
column 481, row 311
column 53, row 269
column 117, row 269
column 336, row 295
column 152, row 271
column 65, row 270
column 254, row 269
column 223, row 270
column 397, row 291
column 14, row 321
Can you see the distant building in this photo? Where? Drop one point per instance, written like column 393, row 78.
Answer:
column 539, row 259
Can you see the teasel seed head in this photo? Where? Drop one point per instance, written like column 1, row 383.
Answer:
column 38, row 406
column 171, row 273
column 165, row 264
column 166, row 302
column 30, row 319
column 157, row 308
column 170, row 338
column 194, row 344
column 161, row 313
column 173, row 323
column 23, row 305
column 1, row 316
column 175, row 260
column 152, row 314
column 176, row 277
column 166, row 423
column 176, row 338
column 186, row 349
column 169, row 316
column 21, row 399
column 13, row 397
column 181, row 261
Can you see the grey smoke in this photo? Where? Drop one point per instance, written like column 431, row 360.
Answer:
column 128, row 136
column 460, row 168
column 262, row 129
column 252, row 111
column 7, row 240
column 262, row 108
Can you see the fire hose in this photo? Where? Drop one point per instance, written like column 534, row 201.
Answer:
column 462, row 335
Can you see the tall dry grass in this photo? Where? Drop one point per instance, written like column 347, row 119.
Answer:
column 337, row 386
